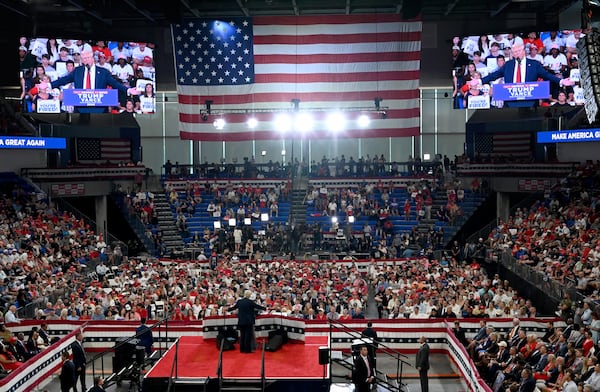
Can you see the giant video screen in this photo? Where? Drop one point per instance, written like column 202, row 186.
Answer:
column 494, row 71
column 45, row 61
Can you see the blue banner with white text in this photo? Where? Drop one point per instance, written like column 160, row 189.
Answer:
column 571, row 136
column 521, row 91
column 98, row 97
column 23, row 142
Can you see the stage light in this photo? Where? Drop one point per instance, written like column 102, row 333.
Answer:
column 336, row 122
column 231, row 222
column 208, row 104
column 263, row 152
column 219, row 123
column 427, row 156
column 217, row 225
column 351, row 219
column 296, row 104
column 283, row 122
column 252, row 122
column 264, row 217
column 334, row 219
column 377, row 101
column 247, row 221
column 304, row 122
column 204, row 117
column 363, row 121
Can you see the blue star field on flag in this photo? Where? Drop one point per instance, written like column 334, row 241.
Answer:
column 214, row 52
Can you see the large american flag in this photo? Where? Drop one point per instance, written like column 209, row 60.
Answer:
column 89, row 150
column 518, row 144
column 259, row 65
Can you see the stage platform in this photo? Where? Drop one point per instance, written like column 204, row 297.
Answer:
column 294, row 367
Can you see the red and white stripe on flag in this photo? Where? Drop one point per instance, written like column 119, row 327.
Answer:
column 327, row 62
column 534, row 185
column 68, row 189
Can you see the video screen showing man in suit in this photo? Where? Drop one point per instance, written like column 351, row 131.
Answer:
column 101, row 60
column 521, row 58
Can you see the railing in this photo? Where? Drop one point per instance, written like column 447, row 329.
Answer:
column 283, row 170
column 539, row 279
column 377, row 347
column 263, row 379
column 515, row 169
column 29, row 311
column 162, row 346
column 134, row 221
column 174, row 367
column 487, row 229
column 220, row 364
column 83, row 173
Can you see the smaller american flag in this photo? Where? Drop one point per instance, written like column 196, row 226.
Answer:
column 102, row 150
column 516, row 144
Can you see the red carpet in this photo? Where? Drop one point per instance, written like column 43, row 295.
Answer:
column 197, row 358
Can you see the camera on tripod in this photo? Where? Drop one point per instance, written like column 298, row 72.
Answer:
column 128, row 360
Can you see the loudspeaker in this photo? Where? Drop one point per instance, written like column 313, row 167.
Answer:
column 228, row 336
column 125, row 353
column 281, row 332
column 274, row 343
column 323, row 355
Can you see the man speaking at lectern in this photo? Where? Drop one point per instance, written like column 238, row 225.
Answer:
column 88, row 76
column 523, row 70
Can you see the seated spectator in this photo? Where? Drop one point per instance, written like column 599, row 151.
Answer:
column 7, row 360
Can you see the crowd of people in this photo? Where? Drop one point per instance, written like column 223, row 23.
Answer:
column 558, row 235
column 44, row 250
column 338, row 166
column 562, row 359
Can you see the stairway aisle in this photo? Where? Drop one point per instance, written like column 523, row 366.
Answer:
column 371, row 312
column 171, row 235
column 298, row 208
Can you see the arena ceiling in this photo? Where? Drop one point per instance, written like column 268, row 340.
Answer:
column 85, row 16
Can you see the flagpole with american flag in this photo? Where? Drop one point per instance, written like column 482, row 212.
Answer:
column 257, row 66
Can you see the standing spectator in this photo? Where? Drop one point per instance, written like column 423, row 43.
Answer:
column 144, row 334
column 363, row 375
column 68, row 375
column 79, row 359
column 422, row 363
column 370, row 333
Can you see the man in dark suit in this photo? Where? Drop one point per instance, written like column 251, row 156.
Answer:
column 520, row 70
column 363, row 374
column 459, row 332
column 422, row 363
column 21, row 347
column 370, row 333
column 68, row 376
column 246, row 318
column 43, row 331
column 79, row 360
column 90, row 76
column 144, row 334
